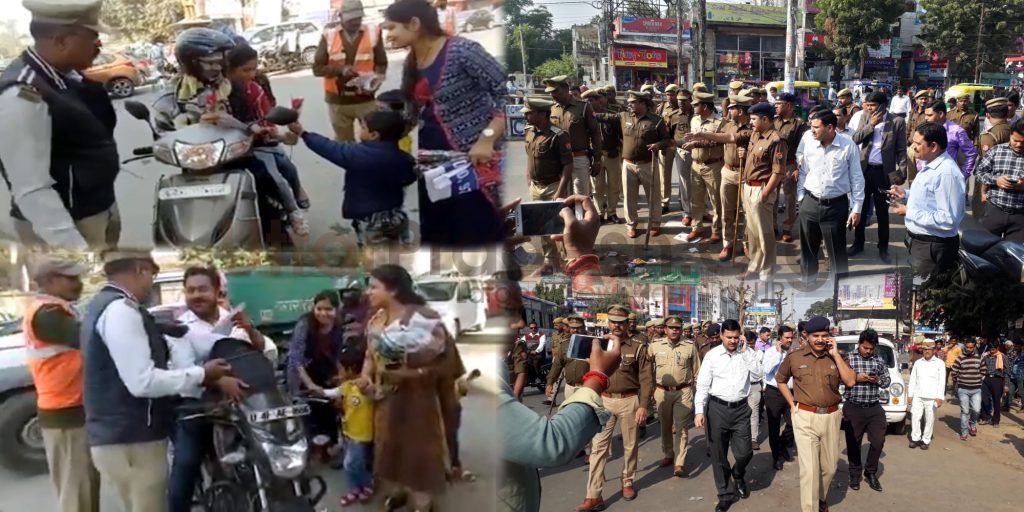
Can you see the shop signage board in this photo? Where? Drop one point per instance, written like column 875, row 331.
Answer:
column 639, row 57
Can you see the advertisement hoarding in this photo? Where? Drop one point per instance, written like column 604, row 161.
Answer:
column 867, row 293
column 639, row 57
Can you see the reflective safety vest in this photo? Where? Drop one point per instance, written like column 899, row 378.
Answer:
column 448, row 21
column 56, row 369
column 368, row 38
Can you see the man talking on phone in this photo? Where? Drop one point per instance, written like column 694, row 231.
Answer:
column 723, row 384
column 862, row 411
column 817, row 369
column 629, row 390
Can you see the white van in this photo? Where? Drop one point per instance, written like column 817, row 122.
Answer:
column 461, row 302
column 893, row 398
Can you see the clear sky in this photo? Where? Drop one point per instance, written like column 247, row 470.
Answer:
column 14, row 10
column 570, row 12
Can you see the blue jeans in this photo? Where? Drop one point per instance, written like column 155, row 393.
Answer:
column 271, row 160
column 191, row 439
column 357, row 465
column 970, row 407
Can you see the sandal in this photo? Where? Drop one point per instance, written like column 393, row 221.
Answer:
column 463, row 475
column 349, row 499
column 366, row 495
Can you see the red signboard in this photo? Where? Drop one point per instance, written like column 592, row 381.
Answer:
column 640, row 57
column 655, row 26
column 810, row 39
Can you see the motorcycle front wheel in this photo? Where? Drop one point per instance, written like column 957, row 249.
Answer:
column 227, row 497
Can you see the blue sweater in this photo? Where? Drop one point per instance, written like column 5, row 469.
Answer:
column 375, row 173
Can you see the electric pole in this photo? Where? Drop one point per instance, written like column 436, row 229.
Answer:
column 679, row 42
column 977, row 56
column 700, row 19
column 522, row 48
column 791, row 49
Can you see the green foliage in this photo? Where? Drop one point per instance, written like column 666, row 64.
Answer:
column 601, row 304
column 825, row 308
column 553, row 293
column 533, row 28
column 223, row 259
column 854, row 26
column 951, row 28
column 142, row 20
column 980, row 309
column 563, row 65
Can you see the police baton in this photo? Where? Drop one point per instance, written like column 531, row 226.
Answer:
column 554, row 394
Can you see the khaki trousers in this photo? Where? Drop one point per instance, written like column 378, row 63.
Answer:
column 581, row 175
column 635, row 175
column 138, row 472
column 71, row 471
column 343, row 118
column 665, row 162
column 608, row 186
column 706, row 181
column 911, row 164
column 547, row 193
column 730, row 201
column 789, row 189
column 683, row 165
column 624, row 413
column 100, row 231
column 675, row 408
column 760, row 229
column 817, row 444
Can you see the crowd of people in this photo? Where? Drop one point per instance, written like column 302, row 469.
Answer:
column 836, row 168
column 117, row 385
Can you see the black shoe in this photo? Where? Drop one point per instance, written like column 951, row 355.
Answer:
column 884, row 256
column 788, row 457
column 778, row 465
column 855, row 485
column 614, row 219
column 924, row 446
column 665, row 209
column 873, row 479
column 854, row 250
column 741, row 488
column 915, row 444
column 723, row 506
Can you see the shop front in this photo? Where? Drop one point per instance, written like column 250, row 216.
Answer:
column 749, row 44
column 635, row 66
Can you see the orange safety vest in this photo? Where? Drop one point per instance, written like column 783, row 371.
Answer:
column 56, row 369
column 449, row 21
column 336, row 55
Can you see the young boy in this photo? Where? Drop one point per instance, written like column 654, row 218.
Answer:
column 376, row 172
column 392, row 100
column 357, row 428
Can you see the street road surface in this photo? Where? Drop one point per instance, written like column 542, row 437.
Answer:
column 323, row 181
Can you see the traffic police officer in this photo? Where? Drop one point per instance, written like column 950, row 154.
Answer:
column 791, row 129
column 549, row 165
column 629, row 390
column 577, row 118
column 996, row 111
column 676, row 362
column 57, row 150
column 644, row 135
column 669, row 110
column 607, row 184
column 965, row 116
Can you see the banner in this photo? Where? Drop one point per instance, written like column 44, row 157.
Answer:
column 646, row 26
column 680, row 299
column 883, row 51
column 746, row 14
column 640, row 58
column 811, row 38
column 763, row 309
column 873, row 292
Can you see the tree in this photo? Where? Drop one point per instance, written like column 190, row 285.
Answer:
column 564, row 65
column 825, row 308
column 142, row 19
column 854, row 26
column 983, row 308
column 971, row 33
column 601, row 304
column 552, row 293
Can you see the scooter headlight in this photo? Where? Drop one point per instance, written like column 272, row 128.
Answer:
column 238, row 149
column 286, row 461
column 196, row 157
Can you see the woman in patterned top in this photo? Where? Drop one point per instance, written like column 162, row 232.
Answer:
column 457, row 91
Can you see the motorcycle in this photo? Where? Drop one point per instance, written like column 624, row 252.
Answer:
column 984, row 256
column 537, row 366
column 213, row 202
column 260, row 456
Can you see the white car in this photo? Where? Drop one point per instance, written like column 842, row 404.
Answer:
column 296, row 36
column 461, row 302
column 893, row 398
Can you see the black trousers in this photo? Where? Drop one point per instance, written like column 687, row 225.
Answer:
column 1001, row 223
column 861, row 420
column 927, row 257
column 728, row 426
column 823, row 223
column 875, row 180
column 991, row 396
column 778, row 410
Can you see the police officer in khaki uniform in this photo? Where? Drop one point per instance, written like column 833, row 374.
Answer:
column 845, row 97
column 791, row 128
column 765, row 165
column 680, row 126
column 607, row 184
column 735, row 88
column 676, row 362
column 644, row 135
column 710, row 339
column 632, row 328
column 558, row 338
column 965, row 116
column 629, row 389
column 574, row 369
column 649, row 330
column 688, row 333
column 914, row 119
column 706, row 170
column 548, row 165
column 996, row 111
column 577, row 118
column 669, row 110
column 735, row 135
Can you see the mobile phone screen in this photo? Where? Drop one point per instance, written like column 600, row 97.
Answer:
column 581, row 344
column 540, row 218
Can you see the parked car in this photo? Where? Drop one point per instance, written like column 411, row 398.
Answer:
column 461, row 302
column 300, row 37
column 117, row 72
column 479, row 19
column 893, row 398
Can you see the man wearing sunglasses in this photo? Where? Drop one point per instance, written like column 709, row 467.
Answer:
column 676, row 361
column 57, row 150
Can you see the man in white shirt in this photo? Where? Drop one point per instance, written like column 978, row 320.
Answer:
column 207, row 324
column 723, row 384
column 925, row 392
column 899, row 105
column 776, row 407
column 830, row 173
column 129, row 383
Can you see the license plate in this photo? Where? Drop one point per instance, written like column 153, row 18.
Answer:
column 194, row 191
column 280, row 413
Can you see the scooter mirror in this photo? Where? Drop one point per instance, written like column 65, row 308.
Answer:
column 282, row 116
column 137, row 110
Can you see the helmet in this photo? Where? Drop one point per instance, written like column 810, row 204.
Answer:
column 199, row 42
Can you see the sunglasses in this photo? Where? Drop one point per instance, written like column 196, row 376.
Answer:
column 675, row 328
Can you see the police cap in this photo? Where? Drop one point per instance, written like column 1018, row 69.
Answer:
column 703, row 97
column 536, row 105
column 714, row 329
column 575, row 321
column 671, row 88
column 740, row 100
column 673, row 321
column 79, row 13
column 619, row 313
column 555, row 82
column 816, row 324
column 762, row 109
column 592, row 93
column 47, row 266
column 788, row 97
column 845, row 92
column 997, row 102
column 736, row 84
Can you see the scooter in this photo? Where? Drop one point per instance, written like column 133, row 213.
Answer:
column 211, row 203
column 984, row 256
column 260, row 456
